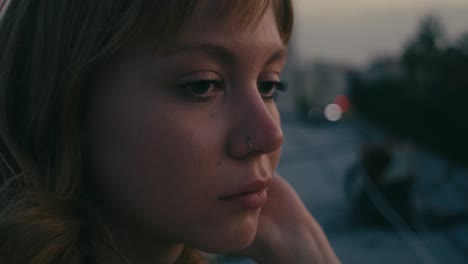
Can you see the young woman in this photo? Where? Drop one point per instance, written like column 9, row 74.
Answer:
column 146, row 131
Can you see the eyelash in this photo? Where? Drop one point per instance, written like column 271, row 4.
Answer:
column 220, row 84
column 188, row 93
column 279, row 87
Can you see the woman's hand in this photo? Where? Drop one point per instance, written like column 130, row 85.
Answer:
column 287, row 232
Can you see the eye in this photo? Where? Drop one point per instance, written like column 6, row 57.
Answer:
column 269, row 89
column 202, row 90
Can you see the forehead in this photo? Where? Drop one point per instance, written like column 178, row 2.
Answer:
column 229, row 31
column 243, row 30
column 160, row 22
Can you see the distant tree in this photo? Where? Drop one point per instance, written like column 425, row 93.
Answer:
column 462, row 42
column 428, row 101
column 430, row 36
column 423, row 51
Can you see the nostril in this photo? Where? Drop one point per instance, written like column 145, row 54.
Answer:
column 256, row 130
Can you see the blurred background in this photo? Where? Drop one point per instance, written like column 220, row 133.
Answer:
column 376, row 127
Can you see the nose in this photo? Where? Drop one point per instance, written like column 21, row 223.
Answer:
column 256, row 127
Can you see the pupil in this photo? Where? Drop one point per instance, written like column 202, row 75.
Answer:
column 266, row 87
column 201, row 88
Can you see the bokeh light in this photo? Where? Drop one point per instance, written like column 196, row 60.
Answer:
column 333, row 112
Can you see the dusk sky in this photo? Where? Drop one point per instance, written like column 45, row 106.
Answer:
column 352, row 31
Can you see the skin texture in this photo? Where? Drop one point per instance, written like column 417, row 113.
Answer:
column 162, row 152
column 168, row 136
column 287, row 232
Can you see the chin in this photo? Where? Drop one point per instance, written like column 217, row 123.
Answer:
column 227, row 238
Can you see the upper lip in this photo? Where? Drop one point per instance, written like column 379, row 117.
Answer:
column 251, row 187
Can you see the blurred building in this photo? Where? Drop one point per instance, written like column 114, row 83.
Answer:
column 320, row 83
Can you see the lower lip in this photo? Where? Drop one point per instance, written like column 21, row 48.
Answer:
column 250, row 200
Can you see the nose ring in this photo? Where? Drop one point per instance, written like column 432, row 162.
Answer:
column 250, row 144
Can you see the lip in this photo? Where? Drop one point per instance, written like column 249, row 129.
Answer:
column 252, row 195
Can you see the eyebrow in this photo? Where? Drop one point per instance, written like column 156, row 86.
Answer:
column 221, row 52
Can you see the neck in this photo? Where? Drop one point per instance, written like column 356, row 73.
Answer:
column 167, row 254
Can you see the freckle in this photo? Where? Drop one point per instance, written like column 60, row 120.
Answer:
column 218, row 163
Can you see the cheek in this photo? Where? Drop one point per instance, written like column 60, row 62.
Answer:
column 153, row 163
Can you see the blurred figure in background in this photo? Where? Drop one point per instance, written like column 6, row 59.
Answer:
column 382, row 168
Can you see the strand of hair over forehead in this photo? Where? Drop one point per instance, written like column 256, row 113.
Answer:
column 164, row 19
column 246, row 12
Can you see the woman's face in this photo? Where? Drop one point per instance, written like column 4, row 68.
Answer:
column 169, row 132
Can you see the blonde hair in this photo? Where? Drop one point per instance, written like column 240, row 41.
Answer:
column 50, row 54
